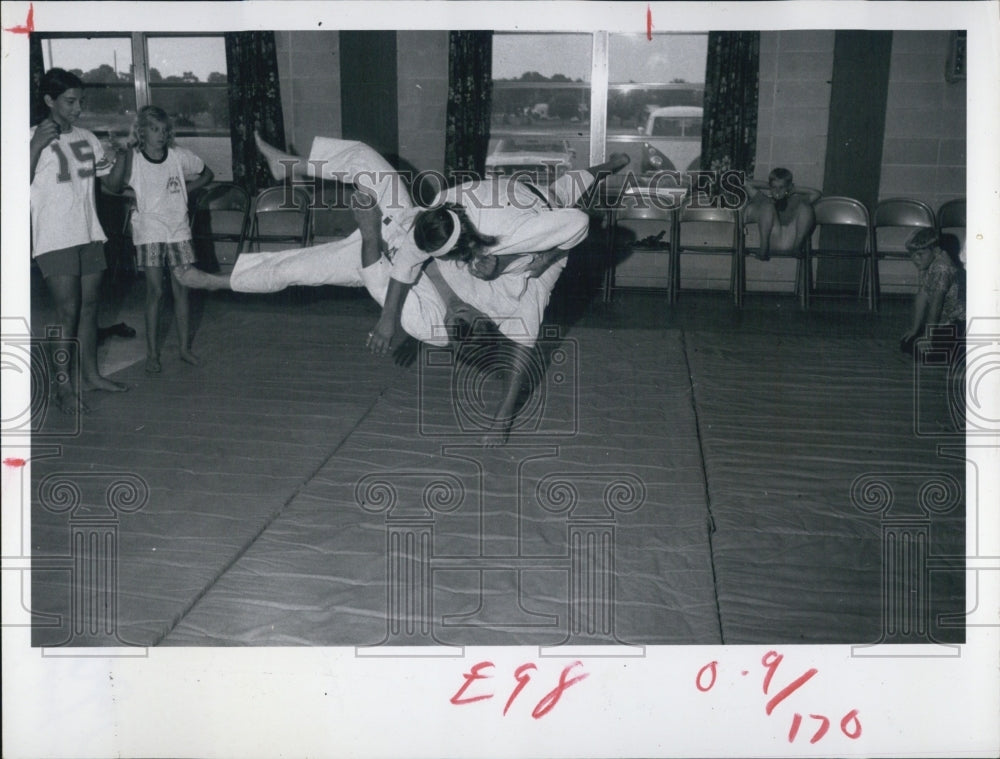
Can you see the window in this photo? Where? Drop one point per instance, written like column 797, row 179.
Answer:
column 542, row 91
column 541, row 104
column 183, row 74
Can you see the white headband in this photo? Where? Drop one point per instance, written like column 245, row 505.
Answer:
column 455, row 234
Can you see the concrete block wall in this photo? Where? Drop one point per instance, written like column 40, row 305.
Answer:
column 923, row 156
column 422, row 63
column 309, row 75
column 796, row 68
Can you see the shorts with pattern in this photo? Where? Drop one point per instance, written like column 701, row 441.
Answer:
column 155, row 253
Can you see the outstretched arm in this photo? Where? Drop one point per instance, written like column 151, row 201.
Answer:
column 518, row 383
column 368, row 216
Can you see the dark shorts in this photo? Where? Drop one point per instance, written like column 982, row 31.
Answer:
column 76, row 261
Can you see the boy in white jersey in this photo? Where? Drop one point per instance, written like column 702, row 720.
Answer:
column 67, row 241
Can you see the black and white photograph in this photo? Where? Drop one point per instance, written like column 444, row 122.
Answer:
column 550, row 379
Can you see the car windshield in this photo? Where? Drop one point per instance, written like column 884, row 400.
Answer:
column 675, row 127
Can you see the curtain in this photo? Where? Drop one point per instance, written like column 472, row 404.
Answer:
column 729, row 129
column 470, row 90
column 254, row 104
column 36, row 68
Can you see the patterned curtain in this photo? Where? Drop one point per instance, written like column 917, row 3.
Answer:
column 729, row 129
column 36, row 67
column 470, row 91
column 254, row 103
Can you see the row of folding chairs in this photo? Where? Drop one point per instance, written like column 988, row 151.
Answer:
column 226, row 221
column 868, row 238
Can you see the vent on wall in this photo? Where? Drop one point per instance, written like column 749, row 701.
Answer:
column 955, row 69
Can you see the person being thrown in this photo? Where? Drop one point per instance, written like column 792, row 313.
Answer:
column 504, row 279
column 785, row 216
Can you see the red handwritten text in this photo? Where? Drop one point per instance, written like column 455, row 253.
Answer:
column 522, row 677
column 850, row 725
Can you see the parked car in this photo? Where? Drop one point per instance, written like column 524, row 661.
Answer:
column 544, row 160
column 674, row 142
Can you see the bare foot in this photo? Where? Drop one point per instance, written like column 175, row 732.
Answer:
column 69, row 402
column 277, row 161
column 190, row 358
column 103, row 383
column 153, row 365
column 195, row 278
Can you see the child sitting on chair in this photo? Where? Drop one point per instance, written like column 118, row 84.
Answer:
column 785, row 216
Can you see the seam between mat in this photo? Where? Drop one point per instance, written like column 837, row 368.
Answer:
column 710, row 525
column 268, row 522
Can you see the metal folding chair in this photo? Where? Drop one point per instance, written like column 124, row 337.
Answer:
column 708, row 231
column 279, row 219
column 219, row 222
column 655, row 214
column 851, row 215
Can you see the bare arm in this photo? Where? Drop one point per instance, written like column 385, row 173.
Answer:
column 389, row 325
column 45, row 134
column 120, row 174
column 201, row 180
column 921, row 304
column 518, row 379
column 369, row 219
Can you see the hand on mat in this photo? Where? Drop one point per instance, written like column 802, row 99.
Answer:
column 496, row 436
column 406, row 353
column 380, row 339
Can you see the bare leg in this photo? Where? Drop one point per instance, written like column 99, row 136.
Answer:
column 282, row 165
column 87, row 332
column 615, row 162
column 192, row 276
column 805, row 223
column 765, row 225
column 182, row 314
column 154, row 296
column 65, row 290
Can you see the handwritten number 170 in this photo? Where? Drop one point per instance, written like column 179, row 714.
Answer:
column 850, row 725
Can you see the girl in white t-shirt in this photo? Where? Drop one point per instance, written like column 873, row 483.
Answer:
column 158, row 172
column 67, row 241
